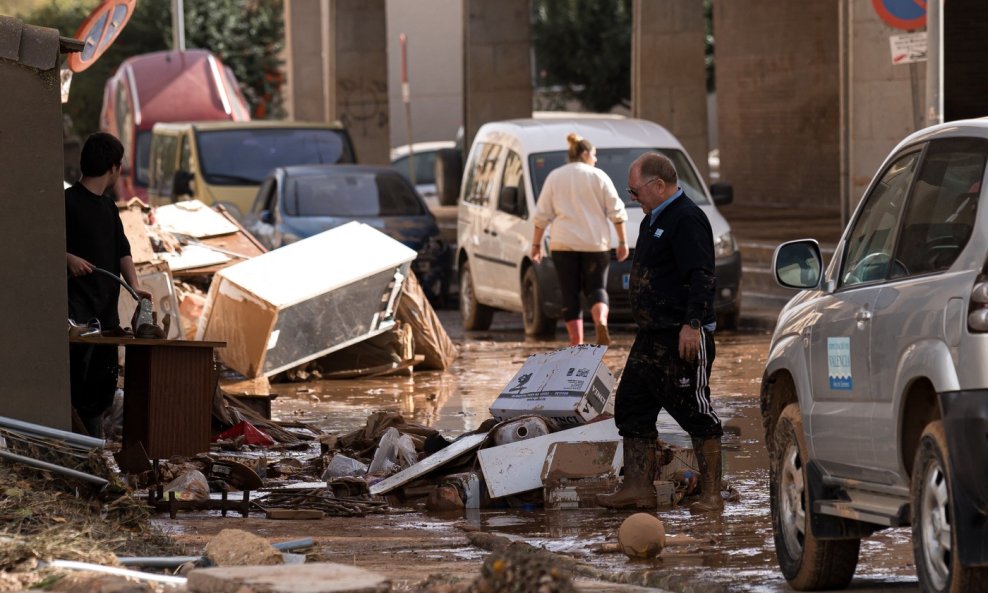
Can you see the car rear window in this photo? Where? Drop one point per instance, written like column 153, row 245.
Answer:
column 616, row 162
column 425, row 166
column 351, row 194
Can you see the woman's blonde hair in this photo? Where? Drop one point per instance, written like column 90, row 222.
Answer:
column 577, row 146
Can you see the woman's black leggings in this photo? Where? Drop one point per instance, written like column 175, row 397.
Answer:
column 581, row 272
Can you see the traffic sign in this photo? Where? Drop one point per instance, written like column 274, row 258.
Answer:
column 99, row 31
column 902, row 14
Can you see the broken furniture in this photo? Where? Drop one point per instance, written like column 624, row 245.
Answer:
column 168, row 387
column 307, row 299
column 571, row 385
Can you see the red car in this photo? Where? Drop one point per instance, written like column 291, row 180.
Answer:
column 165, row 86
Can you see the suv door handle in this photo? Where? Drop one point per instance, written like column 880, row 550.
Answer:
column 863, row 315
column 490, row 232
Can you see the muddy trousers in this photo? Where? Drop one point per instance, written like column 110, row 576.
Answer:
column 656, row 378
column 93, row 381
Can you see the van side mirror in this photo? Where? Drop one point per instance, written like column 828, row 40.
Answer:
column 722, row 193
column 182, row 184
column 507, row 200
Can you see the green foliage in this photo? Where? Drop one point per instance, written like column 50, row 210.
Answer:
column 585, row 46
column 247, row 35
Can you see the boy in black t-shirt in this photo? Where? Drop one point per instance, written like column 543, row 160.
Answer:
column 94, row 237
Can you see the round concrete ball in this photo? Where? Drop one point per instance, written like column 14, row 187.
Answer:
column 642, row 536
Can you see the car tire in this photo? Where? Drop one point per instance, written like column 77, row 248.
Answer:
column 475, row 315
column 807, row 563
column 934, row 541
column 537, row 323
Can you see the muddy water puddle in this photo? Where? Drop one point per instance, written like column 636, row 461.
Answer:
column 738, row 548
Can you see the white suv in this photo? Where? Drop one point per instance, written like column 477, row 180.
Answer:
column 504, row 173
column 875, row 393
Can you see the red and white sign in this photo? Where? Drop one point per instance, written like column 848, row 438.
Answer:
column 99, row 31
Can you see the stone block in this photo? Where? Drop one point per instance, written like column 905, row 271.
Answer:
column 236, row 547
column 306, row 578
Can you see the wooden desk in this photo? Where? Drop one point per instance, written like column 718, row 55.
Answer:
column 168, row 394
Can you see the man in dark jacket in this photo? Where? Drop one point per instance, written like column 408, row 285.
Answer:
column 672, row 297
column 94, row 237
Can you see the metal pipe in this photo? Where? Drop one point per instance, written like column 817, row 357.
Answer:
column 176, row 561
column 144, row 576
column 51, row 433
column 54, row 468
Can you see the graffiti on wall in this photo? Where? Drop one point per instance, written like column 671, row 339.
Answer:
column 363, row 105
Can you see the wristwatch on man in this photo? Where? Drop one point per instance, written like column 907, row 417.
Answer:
column 695, row 323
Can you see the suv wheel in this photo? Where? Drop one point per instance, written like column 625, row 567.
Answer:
column 807, row 562
column 938, row 567
column 475, row 315
column 536, row 321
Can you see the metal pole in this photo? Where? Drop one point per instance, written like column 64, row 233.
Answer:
column 406, row 98
column 846, row 116
column 51, row 433
column 934, row 62
column 54, row 468
column 178, row 25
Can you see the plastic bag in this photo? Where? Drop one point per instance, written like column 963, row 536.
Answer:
column 342, row 466
column 395, row 452
column 191, row 485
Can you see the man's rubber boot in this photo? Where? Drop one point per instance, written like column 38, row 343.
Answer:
column 708, row 457
column 637, row 490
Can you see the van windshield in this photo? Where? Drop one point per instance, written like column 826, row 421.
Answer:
column 236, row 157
column 616, row 162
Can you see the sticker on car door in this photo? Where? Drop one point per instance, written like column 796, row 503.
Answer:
column 839, row 363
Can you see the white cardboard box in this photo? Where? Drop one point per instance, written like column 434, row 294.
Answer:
column 572, row 385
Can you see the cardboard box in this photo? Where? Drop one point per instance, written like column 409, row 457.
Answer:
column 571, row 385
column 578, row 493
column 305, row 300
column 665, row 494
column 574, row 473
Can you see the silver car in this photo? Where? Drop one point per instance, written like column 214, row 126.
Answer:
column 875, row 393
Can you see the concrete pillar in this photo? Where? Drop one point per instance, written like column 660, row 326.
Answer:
column 497, row 64
column 882, row 102
column 668, row 77
column 435, row 68
column 778, row 78
column 336, row 53
column 34, row 380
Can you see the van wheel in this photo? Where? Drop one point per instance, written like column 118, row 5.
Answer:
column 537, row 323
column 808, row 564
column 475, row 315
column 934, row 543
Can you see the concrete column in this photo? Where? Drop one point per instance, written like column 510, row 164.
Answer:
column 668, row 78
column 34, row 380
column 497, row 64
column 884, row 101
column 337, row 69
column 777, row 72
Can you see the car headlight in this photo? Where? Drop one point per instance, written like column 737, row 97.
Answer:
column 724, row 245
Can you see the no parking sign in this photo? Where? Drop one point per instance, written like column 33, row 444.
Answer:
column 902, row 14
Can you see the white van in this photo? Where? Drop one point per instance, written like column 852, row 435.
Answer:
column 504, row 173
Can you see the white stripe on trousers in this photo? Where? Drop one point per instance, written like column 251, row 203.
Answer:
column 702, row 400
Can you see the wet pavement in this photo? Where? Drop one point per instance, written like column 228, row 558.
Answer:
column 740, row 550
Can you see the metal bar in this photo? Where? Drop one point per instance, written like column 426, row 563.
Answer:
column 144, row 576
column 176, row 561
column 52, row 433
column 54, row 468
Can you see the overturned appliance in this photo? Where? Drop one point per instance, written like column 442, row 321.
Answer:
column 307, row 299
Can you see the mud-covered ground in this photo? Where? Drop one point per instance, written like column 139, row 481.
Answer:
column 409, row 547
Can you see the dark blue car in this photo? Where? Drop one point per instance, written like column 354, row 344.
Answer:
column 301, row 201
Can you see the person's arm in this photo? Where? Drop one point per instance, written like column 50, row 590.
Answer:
column 537, row 244
column 694, row 253
column 77, row 266
column 622, row 246
column 129, row 273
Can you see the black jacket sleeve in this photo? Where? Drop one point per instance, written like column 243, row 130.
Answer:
column 695, row 259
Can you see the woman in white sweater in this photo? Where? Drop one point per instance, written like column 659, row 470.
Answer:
column 578, row 200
